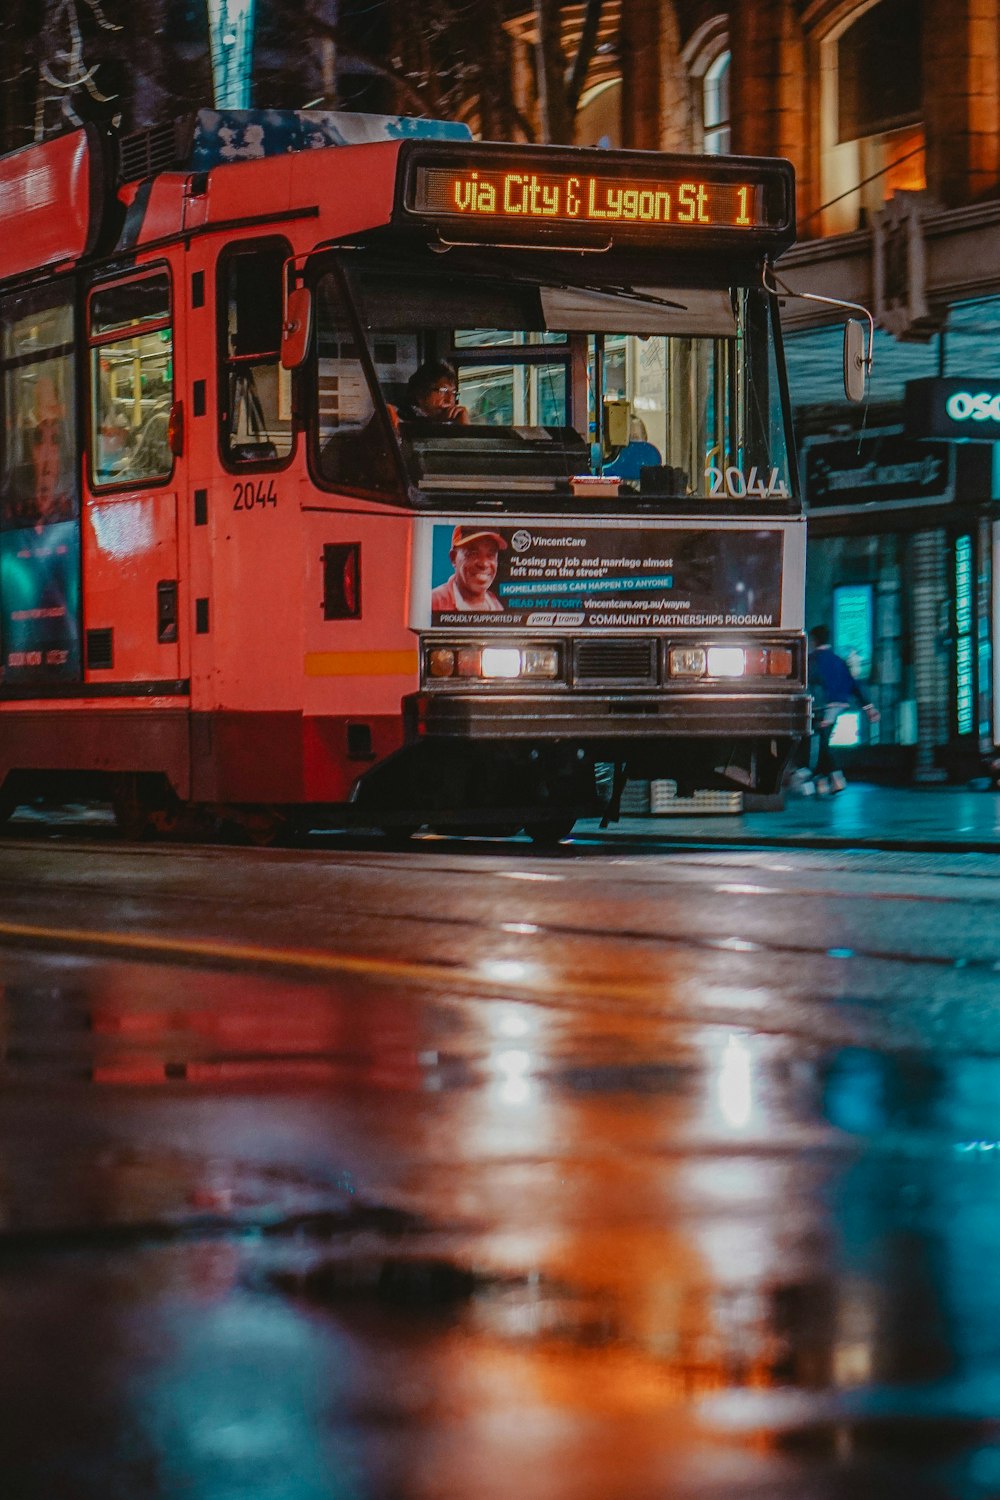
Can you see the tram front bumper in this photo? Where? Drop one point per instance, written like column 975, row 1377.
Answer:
column 597, row 717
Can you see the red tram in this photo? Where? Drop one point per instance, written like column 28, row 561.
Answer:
column 243, row 570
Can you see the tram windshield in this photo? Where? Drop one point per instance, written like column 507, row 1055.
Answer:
column 487, row 383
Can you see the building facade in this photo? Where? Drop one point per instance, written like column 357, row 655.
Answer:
column 890, row 111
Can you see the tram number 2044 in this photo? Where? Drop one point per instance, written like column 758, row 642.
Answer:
column 733, row 484
column 248, row 494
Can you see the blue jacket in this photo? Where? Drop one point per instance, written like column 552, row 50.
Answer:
column 830, row 678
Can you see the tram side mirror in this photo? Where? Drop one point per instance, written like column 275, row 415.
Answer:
column 296, row 327
column 855, row 361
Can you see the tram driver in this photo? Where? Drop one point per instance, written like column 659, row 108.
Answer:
column 432, row 396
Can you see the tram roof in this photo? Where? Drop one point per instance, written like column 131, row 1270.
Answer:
column 89, row 192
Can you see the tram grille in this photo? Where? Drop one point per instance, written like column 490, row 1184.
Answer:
column 616, row 661
column 160, row 148
column 100, row 649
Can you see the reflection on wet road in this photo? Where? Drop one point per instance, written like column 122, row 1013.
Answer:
column 436, row 1177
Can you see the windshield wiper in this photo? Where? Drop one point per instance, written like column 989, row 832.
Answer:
column 611, row 289
column 629, row 292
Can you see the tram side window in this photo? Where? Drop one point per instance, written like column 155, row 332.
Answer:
column 354, row 449
column 256, row 397
column 39, row 492
column 39, row 483
column 131, row 380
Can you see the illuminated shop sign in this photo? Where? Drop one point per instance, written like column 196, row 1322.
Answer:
column 969, row 406
column 525, row 191
column 964, row 680
column 853, row 635
column 954, row 408
column 882, row 467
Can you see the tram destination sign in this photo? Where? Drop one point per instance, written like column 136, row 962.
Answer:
column 523, row 193
column 589, row 198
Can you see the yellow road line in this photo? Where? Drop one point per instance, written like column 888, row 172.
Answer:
column 242, row 953
column 313, row 961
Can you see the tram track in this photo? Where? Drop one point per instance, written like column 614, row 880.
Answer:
column 588, row 841
column 393, row 864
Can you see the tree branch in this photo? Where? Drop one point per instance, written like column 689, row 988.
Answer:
column 584, row 54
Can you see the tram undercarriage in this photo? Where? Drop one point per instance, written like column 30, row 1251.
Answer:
column 470, row 782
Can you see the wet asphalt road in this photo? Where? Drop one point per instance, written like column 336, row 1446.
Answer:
column 468, row 1171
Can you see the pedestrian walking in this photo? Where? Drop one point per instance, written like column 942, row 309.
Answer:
column 833, row 690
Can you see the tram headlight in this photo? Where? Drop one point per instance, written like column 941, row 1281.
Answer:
column 469, row 661
column 493, row 663
column 540, row 661
column 726, row 661
column 730, row 661
column 501, row 661
column 441, row 661
column 687, row 661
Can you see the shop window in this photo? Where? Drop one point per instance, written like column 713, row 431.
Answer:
column 871, row 100
column 598, row 120
column 131, row 381
column 255, row 403
column 878, row 70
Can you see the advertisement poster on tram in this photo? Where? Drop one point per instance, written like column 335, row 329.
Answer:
column 40, row 594
column 582, row 576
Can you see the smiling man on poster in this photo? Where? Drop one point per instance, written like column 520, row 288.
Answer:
column 474, row 555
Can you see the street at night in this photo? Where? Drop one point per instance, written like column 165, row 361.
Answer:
column 641, row 1168
column 500, row 750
